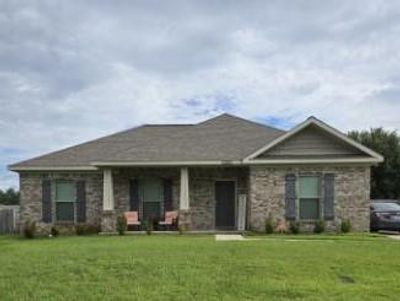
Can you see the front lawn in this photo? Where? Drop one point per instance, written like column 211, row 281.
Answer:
column 199, row 268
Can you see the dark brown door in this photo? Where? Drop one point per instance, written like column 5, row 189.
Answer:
column 225, row 205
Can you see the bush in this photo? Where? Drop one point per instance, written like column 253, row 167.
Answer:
column 181, row 229
column 80, row 229
column 294, row 227
column 86, row 229
column 269, row 225
column 281, row 226
column 345, row 226
column 149, row 226
column 54, row 232
column 30, row 229
column 319, row 227
column 121, row 224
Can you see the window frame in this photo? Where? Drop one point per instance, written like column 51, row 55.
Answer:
column 319, row 198
column 73, row 201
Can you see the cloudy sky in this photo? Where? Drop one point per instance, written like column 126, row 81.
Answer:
column 76, row 70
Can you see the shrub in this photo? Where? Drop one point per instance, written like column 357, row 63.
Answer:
column 269, row 225
column 86, row 229
column 181, row 229
column 319, row 227
column 80, row 229
column 294, row 227
column 281, row 226
column 149, row 226
column 345, row 226
column 30, row 229
column 121, row 224
column 54, row 232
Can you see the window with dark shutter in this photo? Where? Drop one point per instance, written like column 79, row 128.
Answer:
column 329, row 197
column 65, row 201
column 290, row 197
column 168, row 206
column 46, row 201
column 309, row 197
column 134, row 195
column 81, row 202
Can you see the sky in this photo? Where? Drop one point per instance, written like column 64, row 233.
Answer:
column 71, row 71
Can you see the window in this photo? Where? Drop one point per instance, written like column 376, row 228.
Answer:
column 65, row 201
column 309, row 188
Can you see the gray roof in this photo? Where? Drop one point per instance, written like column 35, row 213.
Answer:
column 224, row 137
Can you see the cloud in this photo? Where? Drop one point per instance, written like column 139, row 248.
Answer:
column 73, row 71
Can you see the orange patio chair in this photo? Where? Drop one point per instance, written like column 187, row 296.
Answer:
column 170, row 219
column 132, row 219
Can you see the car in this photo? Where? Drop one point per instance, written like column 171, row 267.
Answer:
column 385, row 215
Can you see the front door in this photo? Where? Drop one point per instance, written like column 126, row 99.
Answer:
column 152, row 195
column 225, row 205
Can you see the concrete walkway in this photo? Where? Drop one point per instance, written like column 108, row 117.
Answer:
column 228, row 237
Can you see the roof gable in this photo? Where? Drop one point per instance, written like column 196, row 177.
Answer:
column 314, row 139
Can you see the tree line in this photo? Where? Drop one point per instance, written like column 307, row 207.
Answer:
column 9, row 197
column 385, row 177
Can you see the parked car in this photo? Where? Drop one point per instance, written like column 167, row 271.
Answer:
column 385, row 215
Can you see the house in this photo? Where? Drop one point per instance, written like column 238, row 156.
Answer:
column 225, row 173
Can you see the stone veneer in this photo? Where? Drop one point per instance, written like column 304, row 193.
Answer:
column 264, row 187
column 31, row 197
column 200, row 215
column 352, row 194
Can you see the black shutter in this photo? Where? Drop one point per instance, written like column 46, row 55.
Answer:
column 290, row 197
column 329, row 206
column 46, row 201
column 134, row 195
column 81, row 201
column 168, row 199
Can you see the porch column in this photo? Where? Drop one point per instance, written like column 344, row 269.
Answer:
column 108, row 191
column 184, row 193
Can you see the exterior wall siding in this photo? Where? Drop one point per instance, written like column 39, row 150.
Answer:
column 351, row 193
column 200, row 215
column 31, row 198
column 202, row 193
column 264, row 187
column 311, row 141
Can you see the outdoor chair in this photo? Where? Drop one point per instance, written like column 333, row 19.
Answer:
column 132, row 219
column 170, row 220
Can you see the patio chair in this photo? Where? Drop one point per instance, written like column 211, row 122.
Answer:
column 132, row 219
column 170, row 220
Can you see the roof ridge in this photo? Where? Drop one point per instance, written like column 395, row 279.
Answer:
column 243, row 119
column 166, row 124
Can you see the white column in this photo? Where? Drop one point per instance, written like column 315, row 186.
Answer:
column 108, row 191
column 184, row 195
column 242, row 212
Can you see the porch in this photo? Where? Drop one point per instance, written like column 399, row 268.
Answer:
column 205, row 199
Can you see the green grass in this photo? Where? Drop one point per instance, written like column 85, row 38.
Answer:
column 351, row 267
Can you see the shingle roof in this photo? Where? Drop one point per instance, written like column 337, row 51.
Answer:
column 224, row 137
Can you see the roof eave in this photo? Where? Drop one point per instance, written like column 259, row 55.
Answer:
column 51, row 168
column 164, row 163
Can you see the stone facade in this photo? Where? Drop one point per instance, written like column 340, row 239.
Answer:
column 201, row 214
column 264, row 187
column 352, row 194
column 31, row 198
column 202, row 193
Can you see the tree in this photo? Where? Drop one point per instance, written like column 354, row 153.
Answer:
column 385, row 177
column 9, row 197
